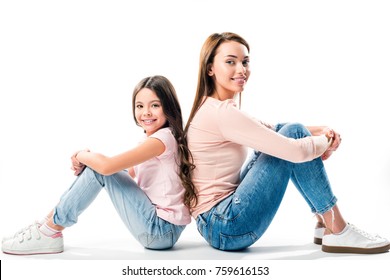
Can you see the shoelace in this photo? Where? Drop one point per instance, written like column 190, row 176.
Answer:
column 364, row 233
column 27, row 232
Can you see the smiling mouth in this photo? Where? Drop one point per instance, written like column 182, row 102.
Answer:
column 148, row 121
column 240, row 79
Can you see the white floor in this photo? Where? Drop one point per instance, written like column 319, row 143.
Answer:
column 100, row 235
column 95, row 255
column 191, row 246
column 99, row 246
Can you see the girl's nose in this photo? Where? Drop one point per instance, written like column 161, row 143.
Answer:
column 147, row 112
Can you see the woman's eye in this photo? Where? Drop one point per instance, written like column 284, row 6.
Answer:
column 231, row 62
column 245, row 63
column 139, row 106
column 155, row 105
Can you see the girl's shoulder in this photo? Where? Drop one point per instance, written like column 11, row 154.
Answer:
column 164, row 132
column 165, row 135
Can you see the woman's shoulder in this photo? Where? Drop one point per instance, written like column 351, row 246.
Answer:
column 215, row 104
column 213, row 109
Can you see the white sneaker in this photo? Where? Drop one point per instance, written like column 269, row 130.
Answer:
column 354, row 240
column 17, row 233
column 318, row 234
column 30, row 241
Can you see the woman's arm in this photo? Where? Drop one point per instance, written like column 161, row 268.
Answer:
column 238, row 127
column 104, row 165
column 268, row 125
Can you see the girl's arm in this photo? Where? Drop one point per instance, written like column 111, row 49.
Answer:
column 104, row 165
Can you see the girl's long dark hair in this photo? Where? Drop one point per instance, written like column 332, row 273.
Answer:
column 172, row 111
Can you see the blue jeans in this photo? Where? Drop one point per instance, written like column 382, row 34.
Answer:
column 133, row 206
column 242, row 218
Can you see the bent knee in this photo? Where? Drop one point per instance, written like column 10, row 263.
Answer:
column 157, row 242
column 294, row 130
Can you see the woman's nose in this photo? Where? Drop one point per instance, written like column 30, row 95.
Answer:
column 242, row 68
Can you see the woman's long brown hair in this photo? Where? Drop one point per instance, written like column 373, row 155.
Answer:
column 206, row 84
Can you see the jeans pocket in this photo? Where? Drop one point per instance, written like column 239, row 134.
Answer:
column 201, row 224
column 156, row 242
column 236, row 242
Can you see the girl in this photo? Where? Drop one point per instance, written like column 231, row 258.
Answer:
column 155, row 207
column 235, row 208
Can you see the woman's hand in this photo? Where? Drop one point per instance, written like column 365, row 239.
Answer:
column 335, row 139
column 77, row 166
column 332, row 136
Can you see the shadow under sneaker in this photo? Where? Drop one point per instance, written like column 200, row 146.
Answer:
column 354, row 240
column 32, row 241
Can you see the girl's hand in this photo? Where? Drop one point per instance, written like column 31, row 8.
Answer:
column 132, row 172
column 77, row 166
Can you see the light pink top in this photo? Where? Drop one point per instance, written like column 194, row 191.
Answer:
column 219, row 137
column 158, row 178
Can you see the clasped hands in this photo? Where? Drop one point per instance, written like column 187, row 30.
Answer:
column 77, row 166
column 335, row 139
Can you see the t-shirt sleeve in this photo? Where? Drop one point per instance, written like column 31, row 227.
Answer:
column 166, row 137
column 236, row 126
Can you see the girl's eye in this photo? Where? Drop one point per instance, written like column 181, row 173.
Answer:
column 231, row 62
column 139, row 106
column 155, row 105
column 245, row 63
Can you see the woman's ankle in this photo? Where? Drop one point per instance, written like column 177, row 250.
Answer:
column 333, row 221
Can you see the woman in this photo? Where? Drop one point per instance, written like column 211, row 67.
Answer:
column 237, row 203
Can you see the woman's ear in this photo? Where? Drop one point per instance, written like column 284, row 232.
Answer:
column 210, row 70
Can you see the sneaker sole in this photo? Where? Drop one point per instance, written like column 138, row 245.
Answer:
column 354, row 250
column 317, row 241
column 43, row 252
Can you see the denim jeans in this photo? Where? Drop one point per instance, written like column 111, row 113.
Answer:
column 133, row 206
column 242, row 218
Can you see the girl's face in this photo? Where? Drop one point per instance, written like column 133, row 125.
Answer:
column 230, row 69
column 148, row 111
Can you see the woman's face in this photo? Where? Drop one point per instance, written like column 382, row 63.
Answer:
column 148, row 111
column 230, row 69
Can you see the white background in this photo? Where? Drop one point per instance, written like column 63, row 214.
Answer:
column 68, row 68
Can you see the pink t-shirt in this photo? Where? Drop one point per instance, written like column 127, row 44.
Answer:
column 219, row 137
column 158, row 178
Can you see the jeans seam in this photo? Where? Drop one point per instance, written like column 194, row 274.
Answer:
column 329, row 206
